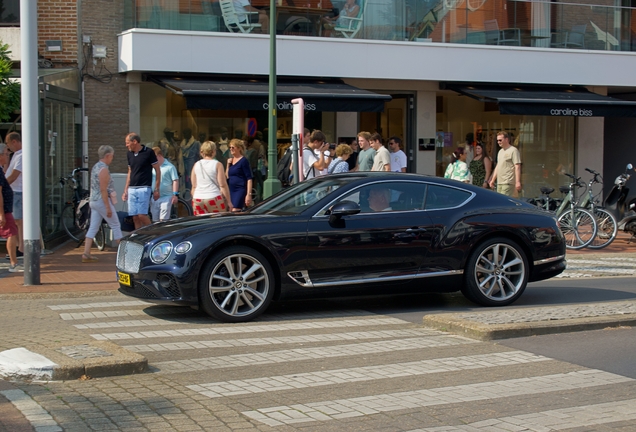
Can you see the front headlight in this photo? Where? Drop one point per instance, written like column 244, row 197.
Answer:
column 160, row 252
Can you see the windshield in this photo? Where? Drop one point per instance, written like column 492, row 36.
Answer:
column 299, row 197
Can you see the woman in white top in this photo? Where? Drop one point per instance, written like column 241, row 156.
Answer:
column 210, row 193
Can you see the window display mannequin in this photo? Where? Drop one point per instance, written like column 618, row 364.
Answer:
column 223, row 141
column 169, row 148
column 190, row 153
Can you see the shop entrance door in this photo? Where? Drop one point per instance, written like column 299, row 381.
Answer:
column 397, row 119
column 60, row 154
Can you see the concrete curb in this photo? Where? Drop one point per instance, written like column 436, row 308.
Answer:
column 96, row 359
column 487, row 332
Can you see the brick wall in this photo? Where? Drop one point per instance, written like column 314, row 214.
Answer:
column 106, row 91
column 57, row 20
column 106, row 101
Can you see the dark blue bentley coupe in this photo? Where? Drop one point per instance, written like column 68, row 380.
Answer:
column 347, row 234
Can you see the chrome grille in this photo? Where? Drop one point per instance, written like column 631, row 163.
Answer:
column 129, row 256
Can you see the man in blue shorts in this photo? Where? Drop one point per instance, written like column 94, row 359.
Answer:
column 139, row 186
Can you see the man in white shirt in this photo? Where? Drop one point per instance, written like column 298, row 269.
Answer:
column 382, row 158
column 312, row 164
column 14, row 177
column 398, row 157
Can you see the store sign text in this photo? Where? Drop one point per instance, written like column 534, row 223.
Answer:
column 288, row 106
column 571, row 112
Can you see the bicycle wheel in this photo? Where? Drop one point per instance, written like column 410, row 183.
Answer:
column 70, row 224
column 607, row 229
column 181, row 209
column 100, row 238
column 579, row 228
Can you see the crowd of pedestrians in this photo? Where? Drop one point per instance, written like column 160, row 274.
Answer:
column 224, row 181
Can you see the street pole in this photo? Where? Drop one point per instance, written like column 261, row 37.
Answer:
column 30, row 140
column 272, row 185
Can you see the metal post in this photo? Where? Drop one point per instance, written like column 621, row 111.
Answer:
column 30, row 135
column 272, row 185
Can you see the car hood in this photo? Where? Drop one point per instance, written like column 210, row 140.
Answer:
column 196, row 225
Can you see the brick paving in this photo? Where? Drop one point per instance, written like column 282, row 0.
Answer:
column 517, row 395
column 324, row 377
column 63, row 272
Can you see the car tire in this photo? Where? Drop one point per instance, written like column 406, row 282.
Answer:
column 496, row 273
column 227, row 294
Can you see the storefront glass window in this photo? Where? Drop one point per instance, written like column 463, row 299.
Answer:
column 166, row 120
column 546, row 143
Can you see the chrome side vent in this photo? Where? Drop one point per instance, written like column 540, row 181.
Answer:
column 301, row 278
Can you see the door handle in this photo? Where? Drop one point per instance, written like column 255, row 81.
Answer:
column 416, row 230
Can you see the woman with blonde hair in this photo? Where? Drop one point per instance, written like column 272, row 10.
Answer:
column 340, row 164
column 210, row 193
column 239, row 175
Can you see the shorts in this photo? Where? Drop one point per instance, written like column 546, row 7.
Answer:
column 9, row 229
column 208, row 205
column 17, row 205
column 161, row 208
column 138, row 200
column 506, row 189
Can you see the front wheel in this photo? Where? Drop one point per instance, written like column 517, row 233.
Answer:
column 496, row 273
column 237, row 284
column 578, row 227
column 607, row 229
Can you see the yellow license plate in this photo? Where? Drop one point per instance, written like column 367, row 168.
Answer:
column 124, row 278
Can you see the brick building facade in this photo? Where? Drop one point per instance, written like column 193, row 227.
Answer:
column 105, row 91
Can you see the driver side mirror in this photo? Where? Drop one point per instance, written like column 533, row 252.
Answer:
column 343, row 208
column 629, row 167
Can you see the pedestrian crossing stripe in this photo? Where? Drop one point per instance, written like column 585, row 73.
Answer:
column 375, row 404
column 303, row 354
column 364, row 373
column 552, row 420
column 222, row 329
column 300, row 339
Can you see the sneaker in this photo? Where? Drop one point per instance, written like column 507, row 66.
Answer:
column 19, row 255
column 18, row 268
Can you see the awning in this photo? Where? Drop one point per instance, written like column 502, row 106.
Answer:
column 253, row 94
column 548, row 101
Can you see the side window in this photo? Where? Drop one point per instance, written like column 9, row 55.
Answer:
column 441, row 197
column 389, row 196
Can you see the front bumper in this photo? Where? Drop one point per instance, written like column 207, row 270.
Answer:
column 161, row 288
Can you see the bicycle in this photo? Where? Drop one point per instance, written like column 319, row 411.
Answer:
column 607, row 225
column 76, row 223
column 181, row 209
column 578, row 225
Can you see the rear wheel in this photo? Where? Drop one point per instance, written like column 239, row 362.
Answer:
column 496, row 273
column 180, row 209
column 607, row 229
column 237, row 284
column 578, row 227
column 100, row 238
column 69, row 222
